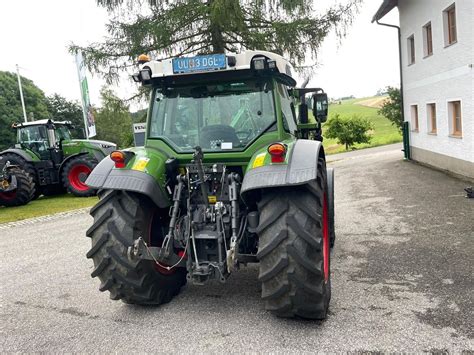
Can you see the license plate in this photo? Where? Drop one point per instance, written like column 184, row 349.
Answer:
column 199, row 63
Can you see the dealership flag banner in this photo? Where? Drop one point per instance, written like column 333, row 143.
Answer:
column 89, row 121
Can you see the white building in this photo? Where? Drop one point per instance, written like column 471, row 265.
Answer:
column 437, row 58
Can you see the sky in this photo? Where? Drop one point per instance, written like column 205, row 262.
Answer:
column 35, row 35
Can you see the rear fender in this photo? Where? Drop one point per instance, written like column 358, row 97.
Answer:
column 144, row 173
column 300, row 167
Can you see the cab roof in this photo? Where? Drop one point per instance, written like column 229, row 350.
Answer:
column 40, row 123
column 234, row 62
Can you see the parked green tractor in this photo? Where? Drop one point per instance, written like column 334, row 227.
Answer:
column 231, row 173
column 55, row 162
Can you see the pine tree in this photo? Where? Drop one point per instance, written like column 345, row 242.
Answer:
column 166, row 28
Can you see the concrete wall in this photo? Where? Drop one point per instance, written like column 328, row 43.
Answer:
column 444, row 76
column 443, row 162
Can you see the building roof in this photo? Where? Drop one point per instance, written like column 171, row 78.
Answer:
column 385, row 8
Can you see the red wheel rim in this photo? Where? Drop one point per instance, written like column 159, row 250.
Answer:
column 8, row 196
column 326, row 238
column 77, row 177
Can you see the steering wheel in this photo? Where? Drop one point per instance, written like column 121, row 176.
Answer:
column 244, row 135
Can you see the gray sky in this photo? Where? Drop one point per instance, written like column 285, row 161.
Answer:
column 35, row 34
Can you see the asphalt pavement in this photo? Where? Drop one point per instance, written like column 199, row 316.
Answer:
column 402, row 280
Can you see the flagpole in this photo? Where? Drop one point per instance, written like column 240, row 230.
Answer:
column 21, row 93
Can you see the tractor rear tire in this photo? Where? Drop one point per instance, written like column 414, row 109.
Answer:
column 120, row 217
column 294, row 249
column 332, row 225
column 22, row 194
column 15, row 159
column 75, row 173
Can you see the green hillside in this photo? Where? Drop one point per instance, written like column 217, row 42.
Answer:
column 384, row 132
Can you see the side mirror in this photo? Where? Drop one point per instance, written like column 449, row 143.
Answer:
column 320, row 107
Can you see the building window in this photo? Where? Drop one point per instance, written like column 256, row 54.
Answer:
column 427, row 40
column 455, row 118
column 431, row 113
column 449, row 20
column 414, row 118
column 411, row 49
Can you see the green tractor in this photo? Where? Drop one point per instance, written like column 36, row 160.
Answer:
column 232, row 172
column 45, row 150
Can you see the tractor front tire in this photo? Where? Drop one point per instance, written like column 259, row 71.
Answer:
column 294, row 249
column 120, row 217
column 75, row 174
column 23, row 193
column 15, row 159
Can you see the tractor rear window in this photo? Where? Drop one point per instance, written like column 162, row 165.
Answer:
column 224, row 116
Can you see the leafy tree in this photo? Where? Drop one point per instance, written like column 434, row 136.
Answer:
column 63, row 110
column 139, row 116
column 392, row 108
column 348, row 131
column 113, row 120
column 294, row 28
column 10, row 104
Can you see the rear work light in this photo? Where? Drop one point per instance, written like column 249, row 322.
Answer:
column 259, row 63
column 119, row 158
column 145, row 74
column 277, row 152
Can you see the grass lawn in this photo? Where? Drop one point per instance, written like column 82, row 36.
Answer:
column 44, row 206
column 384, row 132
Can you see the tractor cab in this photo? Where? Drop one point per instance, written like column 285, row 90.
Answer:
column 43, row 138
column 227, row 103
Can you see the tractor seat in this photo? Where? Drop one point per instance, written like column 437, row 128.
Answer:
column 212, row 136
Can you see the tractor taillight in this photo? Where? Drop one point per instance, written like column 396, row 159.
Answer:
column 119, row 158
column 277, row 152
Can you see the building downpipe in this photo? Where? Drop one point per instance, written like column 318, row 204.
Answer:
column 405, row 128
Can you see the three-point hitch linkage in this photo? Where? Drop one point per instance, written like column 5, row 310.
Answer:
column 198, row 240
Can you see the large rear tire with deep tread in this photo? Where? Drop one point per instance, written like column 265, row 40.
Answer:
column 120, row 217
column 24, row 191
column 294, row 249
column 332, row 226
